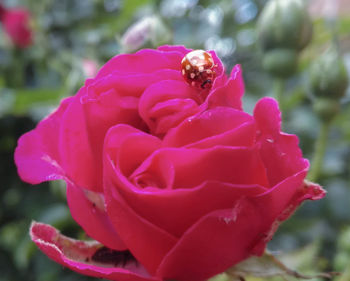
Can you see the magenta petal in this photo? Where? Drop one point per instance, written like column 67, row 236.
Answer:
column 77, row 155
column 157, row 104
column 130, row 146
column 144, row 61
column 280, row 202
column 162, row 206
column 128, row 84
column 87, row 208
column 134, row 229
column 37, row 155
column 169, row 48
column 231, row 93
column 239, row 165
column 76, row 255
column 279, row 151
column 216, row 242
column 231, row 235
column 210, row 124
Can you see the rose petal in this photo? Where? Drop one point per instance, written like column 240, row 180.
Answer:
column 192, row 167
column 205, row 128
column 161, row 207
column 85, row 125
column 128, row 147
column 76, row 255
column 231, row 235
column 205, row 174
column 230, row 94
column 279, row 203
column 143, row 61
column 219, row 68
column 122, row 140
column 165, row 93
column 280, row 152
column 77, row 156
column 37, row 155
column 171, row 48
column 128, row 84
column 89, row 211
column 133, row 228
column 216, row 242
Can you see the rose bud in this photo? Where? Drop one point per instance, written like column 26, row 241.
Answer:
column 16, row 25
column 328, row 76
column 284, row 24
column 172, row 178
column 325, row 108
column 284, row 28
column 280, row 62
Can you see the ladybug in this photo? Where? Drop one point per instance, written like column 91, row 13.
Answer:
column 197, row 67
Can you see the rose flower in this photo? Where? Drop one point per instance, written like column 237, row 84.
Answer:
column 16, row 25
column 164, row 169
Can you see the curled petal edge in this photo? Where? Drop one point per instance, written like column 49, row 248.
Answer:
column 76, row 255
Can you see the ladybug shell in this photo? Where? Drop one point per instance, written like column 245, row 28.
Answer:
column 197, row 69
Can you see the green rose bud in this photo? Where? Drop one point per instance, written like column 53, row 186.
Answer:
column 284, row 24
column 280, row 63
column 328, row 76
column 326, row 109
column 147, row 32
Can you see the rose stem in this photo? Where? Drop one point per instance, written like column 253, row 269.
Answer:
column 320, row 149
column 279, row 86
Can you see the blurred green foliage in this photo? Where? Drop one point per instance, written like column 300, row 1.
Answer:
column 70, row 32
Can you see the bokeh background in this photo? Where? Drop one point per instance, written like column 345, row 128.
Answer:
column 71, row 39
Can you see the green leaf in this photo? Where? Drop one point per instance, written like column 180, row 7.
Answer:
column 268, row 266
column 26, row 99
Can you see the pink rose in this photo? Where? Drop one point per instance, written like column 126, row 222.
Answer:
column 16, row 24
column 175, row 181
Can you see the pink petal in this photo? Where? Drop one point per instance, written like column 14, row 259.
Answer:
column 128, row 84
column 161, row 207
column 211, row 127
column 279, row 203
column 280, row 152
column 76, row 255
column 77, row 155
column 217, row 241
column 127, row 147
column 171, row 48
column 37, row 154
column 147, row 242
column 88, row 209
column 97, row 107
column 225, row 237
column 120, row 141
column 167, row 103
column 189, row 168
column 144, row 61
column 192, row 167
column 231, row 93
column 219, row 69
